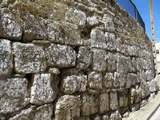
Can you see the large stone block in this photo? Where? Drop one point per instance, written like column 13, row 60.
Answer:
column 150, row 74
column 123, row 64
column 153, row 86
column 64, row 33
column 119, row 80
column 111, row 62
column 111, row 41
column 70, row 107
column 6, row 58
column 75, row 16
column 74, row 83
column 60, row 55
column 10, row 27
column 14, row 95
column 108, row 22
column 92, row 20
column 44, row 88
column 89, row 105
column 98, row 39
column 84, row 58
column 28, row 58
column 95, row 81
column 123, row 99
column 108, row 80
column 35, row 113
column 113, row 101
column 115, row 115
column 34, row 28
column 144, row 89
column 99, row 64
column 54, row 33
column 104, row 103
column 132, row 79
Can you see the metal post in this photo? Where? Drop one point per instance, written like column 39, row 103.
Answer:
column 153, row 35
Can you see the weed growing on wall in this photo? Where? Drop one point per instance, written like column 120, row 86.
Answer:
column 52, row 9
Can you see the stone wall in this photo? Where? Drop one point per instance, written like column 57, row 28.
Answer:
column 88, row 60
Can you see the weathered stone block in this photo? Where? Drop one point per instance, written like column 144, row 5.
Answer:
column 149, row 74
column 74, row 83
column 54, row 32
column 115, row 116
column 108, row 80
column 123, row 64
column 111, row 62
column 99, row 64
column 70, row 107
column 35, row 113
column 34, row 28
column 95, row 81
column 28, row 58
column 105, row 117
column 98, row 39
column 84, row 58
column 111, row 41
column 6, row 58
column 153, row 86
column 90, row 104
column 75, row 16
column 134, row 65
column 123, row 99
column 60, row 55
column 119, row 80
column 113, row 101
column 132, row 79
column 9, row 27
column 104, row 103
column 14, row 95
column 144, row 89
column 108, row 22
column 44, row 88
column 71, row 34
column 92, row 21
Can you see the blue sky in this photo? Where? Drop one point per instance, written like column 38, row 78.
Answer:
column 143, row 7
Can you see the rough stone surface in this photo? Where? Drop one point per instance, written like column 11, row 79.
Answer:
column 54, row 32
column 44, row 88
column 75, row 16
column 29, row 58
column 95, row 81
column 99, row 64
column 153, row 87
column 98, row 39
column 89, row 104
column 33, row 28
column 9, row 27
column 6, row 58
column 70, row 107
column 72, row 60
column 111, row 62
column 14, row 95
column 104, row 103
column 43, row 112
column 123, row 64
column 60, row 55
column 108, row 80
column 115, row 116
column 84, row 58
column 113, row 101
column 74, row 83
